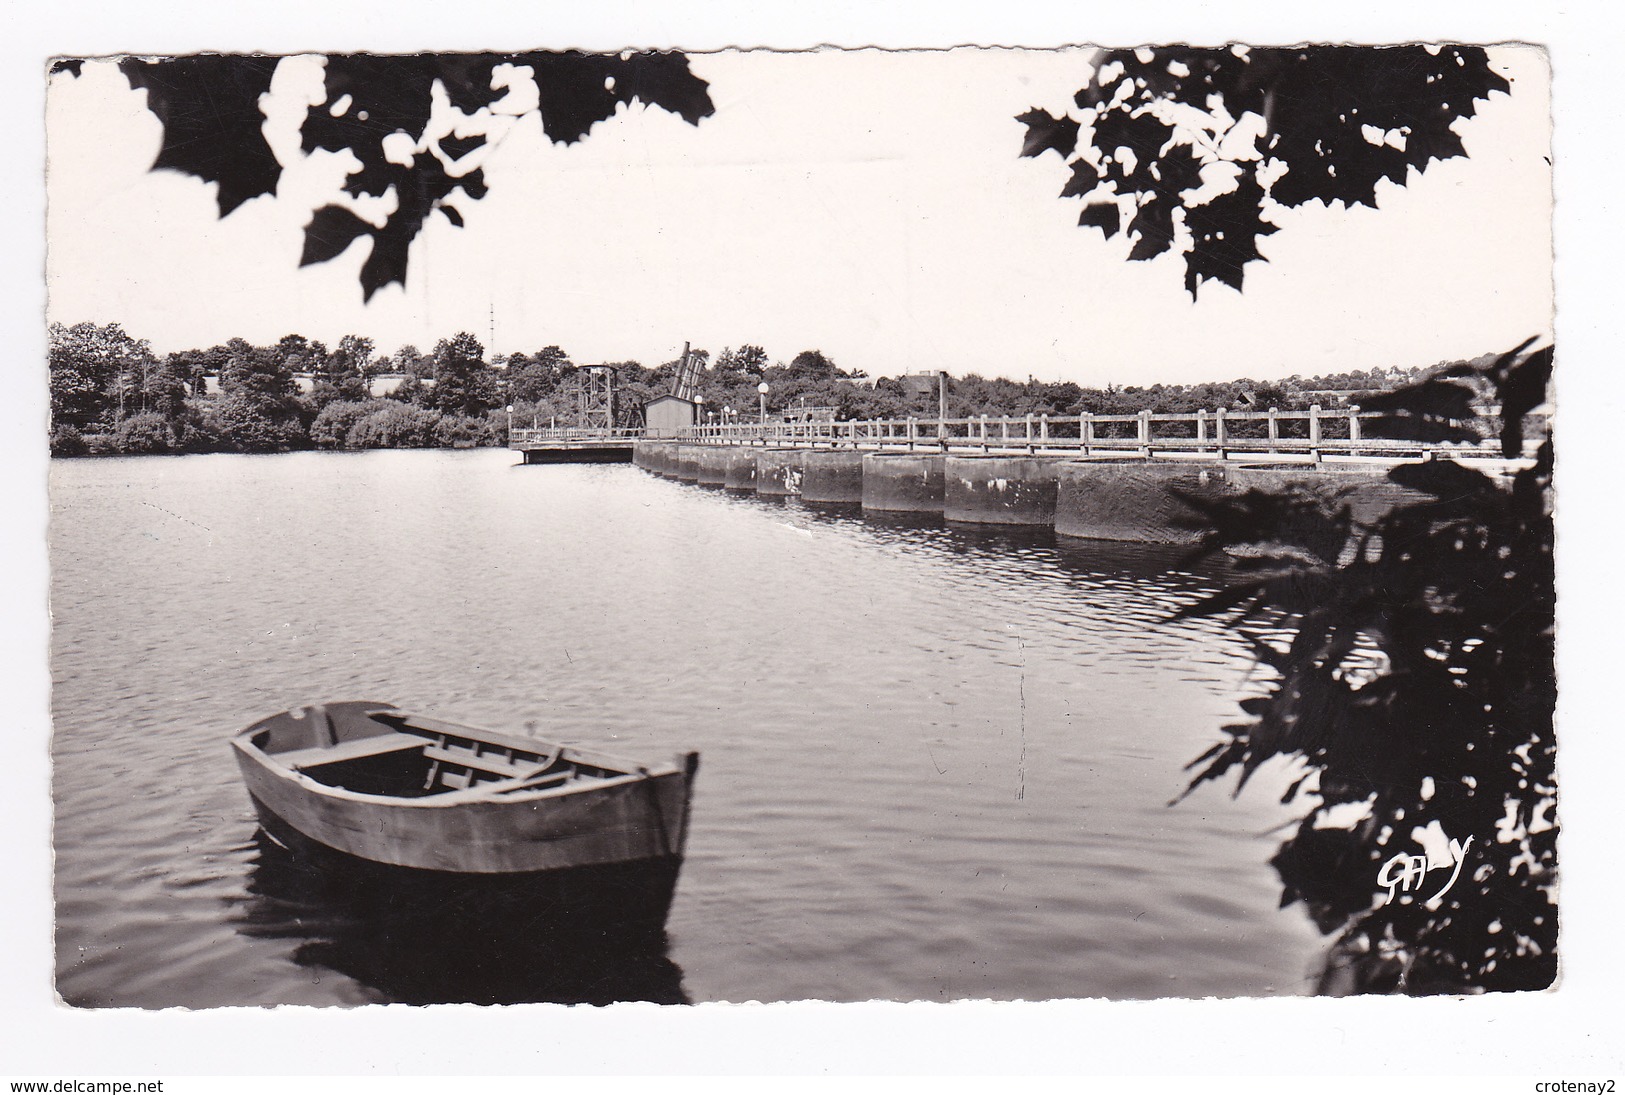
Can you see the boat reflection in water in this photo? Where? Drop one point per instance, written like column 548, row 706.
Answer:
column 419, row 937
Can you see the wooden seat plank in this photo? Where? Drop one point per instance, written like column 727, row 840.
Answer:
column 477, row 791
column 492, row 765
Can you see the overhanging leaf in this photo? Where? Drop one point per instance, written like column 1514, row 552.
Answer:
column 209, row 107
column 1152, row 229
column 1143, row 134
column 1432, row 397
column 1084, row 179
column 330, row 232
column 1521, row 390
column 1224, row 236
column 1444, row 479
column 210, row 110
column 1046, row 132
column 458, row 147
column 1338, row 122
column 1102, row 215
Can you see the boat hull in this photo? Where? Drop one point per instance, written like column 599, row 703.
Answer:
column 623, row 813
column 641, row 818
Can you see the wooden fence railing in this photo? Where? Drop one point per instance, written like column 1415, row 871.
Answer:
column 1315, row 432
column 517, row 437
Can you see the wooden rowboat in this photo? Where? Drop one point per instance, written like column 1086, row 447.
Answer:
column 402, row 790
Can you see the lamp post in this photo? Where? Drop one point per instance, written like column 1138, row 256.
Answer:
column 762, row 389
column 699, row 409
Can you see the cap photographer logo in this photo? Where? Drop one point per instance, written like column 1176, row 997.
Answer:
column 1404, row 873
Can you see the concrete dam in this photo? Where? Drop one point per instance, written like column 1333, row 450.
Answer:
column 1109, row 496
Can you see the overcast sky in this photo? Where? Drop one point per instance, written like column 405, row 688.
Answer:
column 868, row 204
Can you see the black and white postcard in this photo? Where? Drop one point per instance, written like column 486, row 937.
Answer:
column 597, row 523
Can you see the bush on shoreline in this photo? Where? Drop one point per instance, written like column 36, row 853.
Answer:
column 234, row 426
column 67, row 441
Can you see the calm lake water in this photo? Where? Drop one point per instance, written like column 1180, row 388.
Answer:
column 936, row 761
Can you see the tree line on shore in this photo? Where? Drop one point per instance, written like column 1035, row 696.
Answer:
column 111, row 393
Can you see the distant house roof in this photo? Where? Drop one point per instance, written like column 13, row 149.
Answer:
column 919, row 383
column 664, row 398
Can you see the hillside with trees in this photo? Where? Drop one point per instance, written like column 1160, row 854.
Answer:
column 112, row 394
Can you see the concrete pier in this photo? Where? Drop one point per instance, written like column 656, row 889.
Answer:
column 900, row 482
column 1369, row 495
column 711, row 463
column 832, row 476
column 650, row 456
column 688, row 463
column 740, row 471
column 778, row 472
column 579, row 454
column 1000, row 490
column 1133, row 500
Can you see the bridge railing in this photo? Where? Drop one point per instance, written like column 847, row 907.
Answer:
column 571, row 433
column 1315, row 432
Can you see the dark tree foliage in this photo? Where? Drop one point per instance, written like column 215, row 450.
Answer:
column 99, row 372
column 534, row 377
column 259, row 411
column 258, row 372
column 462, row 381
column 1415, row 679
column 212, row 128
column 1155, row 125
column 67, row 441
column 748, row 360
column 351, row 358
column 812, row 365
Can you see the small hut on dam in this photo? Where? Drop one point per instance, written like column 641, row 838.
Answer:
column 664, row 415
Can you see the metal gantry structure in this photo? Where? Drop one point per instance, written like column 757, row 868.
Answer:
column 595, row 398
